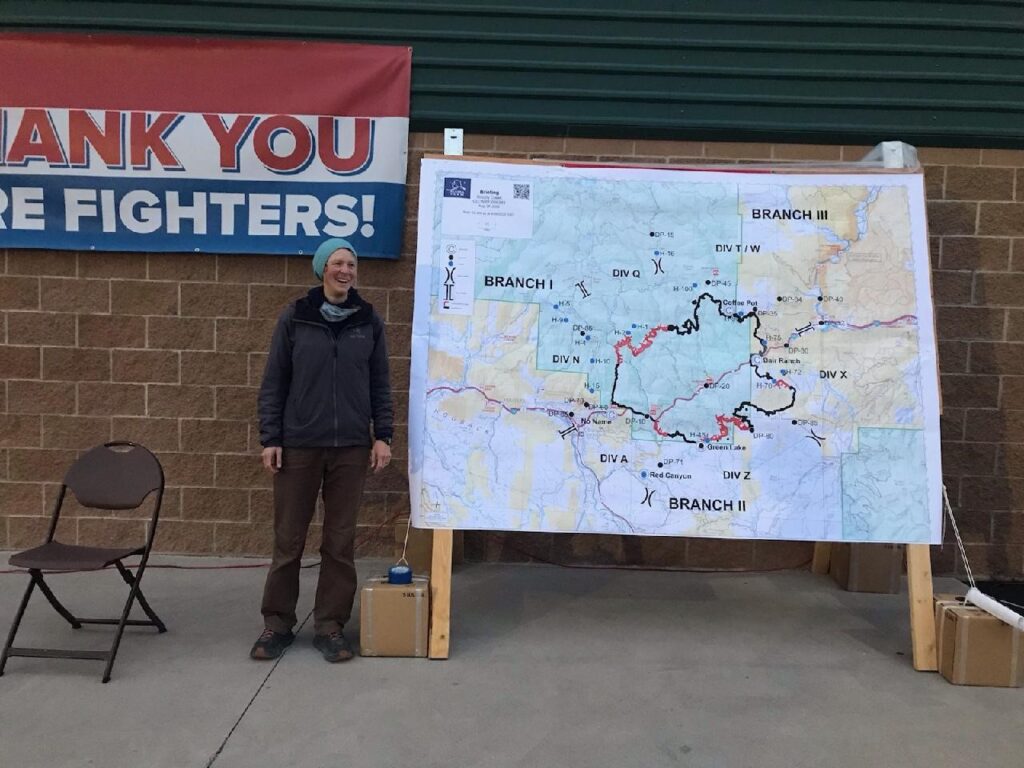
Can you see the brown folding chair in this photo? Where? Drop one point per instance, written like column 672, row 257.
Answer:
column 116, row 475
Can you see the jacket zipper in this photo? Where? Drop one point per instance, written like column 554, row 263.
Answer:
column 334, row 371
column 334, row 388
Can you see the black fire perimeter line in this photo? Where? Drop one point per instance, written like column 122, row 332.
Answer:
column 692, row 325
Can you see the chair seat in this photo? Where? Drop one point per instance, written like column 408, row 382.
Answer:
column 54, row 556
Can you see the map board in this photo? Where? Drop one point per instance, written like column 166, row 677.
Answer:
column 678, row 353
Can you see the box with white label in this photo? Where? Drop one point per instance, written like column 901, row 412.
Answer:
column 394, row 619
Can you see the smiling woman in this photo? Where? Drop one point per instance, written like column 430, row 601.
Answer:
column 326, row 382
column 339, row 273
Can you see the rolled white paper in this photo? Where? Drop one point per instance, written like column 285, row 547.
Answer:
column 995, row 608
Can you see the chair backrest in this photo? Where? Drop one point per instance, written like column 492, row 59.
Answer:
column 116, row 475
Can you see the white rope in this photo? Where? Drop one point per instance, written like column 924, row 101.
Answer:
column 998, row 608
column 405, row 544
column 959, row 541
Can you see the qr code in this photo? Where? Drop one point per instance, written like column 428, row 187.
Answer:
column 521, row 191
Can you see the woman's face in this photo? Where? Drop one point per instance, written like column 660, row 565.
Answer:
column 339, row 273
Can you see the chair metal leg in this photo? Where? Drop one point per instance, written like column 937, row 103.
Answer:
column 132, row 581
column 120, row 629
column 16, row 624
column 38, row 576
column 134, row 593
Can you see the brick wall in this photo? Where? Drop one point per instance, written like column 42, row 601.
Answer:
column 168, row 349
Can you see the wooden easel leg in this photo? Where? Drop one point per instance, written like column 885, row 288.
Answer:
column 440, row 593
column 922, row 614
column 822, row 557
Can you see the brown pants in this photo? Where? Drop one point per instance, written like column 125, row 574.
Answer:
column 341, row 473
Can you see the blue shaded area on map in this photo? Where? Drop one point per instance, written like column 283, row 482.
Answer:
column 670, row 375
column 885, row 491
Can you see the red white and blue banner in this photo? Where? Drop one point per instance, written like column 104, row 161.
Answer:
column 145, row 143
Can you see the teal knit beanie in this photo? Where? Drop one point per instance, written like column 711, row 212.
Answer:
column 324, row 251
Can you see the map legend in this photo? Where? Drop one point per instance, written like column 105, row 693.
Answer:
column 458, row 275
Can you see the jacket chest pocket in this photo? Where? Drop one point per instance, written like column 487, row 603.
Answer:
column 310, row 345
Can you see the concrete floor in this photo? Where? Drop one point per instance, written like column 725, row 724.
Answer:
column 550, row 667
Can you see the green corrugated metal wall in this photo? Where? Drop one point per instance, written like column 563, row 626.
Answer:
column 932, row 73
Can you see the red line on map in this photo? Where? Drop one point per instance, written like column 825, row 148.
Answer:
column 702, row 388
column 877, row 323
column 646, row 343
column 723, row 426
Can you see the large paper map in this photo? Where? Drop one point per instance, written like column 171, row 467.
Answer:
column 691, row 353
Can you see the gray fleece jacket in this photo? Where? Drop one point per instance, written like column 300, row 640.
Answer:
column 323, row 386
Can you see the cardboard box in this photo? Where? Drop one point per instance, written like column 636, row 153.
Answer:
column 942, row 601
column 420, row 551
column 394, row 619
column 867, row 567
column 979, row 649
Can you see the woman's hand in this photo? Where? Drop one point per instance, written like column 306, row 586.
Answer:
column 380, row 456
column 272, row 458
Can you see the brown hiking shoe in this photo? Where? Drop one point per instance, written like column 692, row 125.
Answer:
column 334, row 647
column 270, row 645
